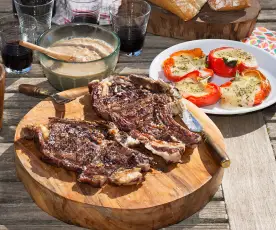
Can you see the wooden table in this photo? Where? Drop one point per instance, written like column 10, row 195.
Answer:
column 247, row 197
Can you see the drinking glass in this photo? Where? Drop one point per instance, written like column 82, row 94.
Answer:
column 41, row 10
column 83, row 11
column 2, row 91
column 130, row 22
column 13, row 28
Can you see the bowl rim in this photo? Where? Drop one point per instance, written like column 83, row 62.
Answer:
column 80, row 24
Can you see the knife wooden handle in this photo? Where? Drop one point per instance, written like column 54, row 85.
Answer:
column 218, row 153
column 32, row 90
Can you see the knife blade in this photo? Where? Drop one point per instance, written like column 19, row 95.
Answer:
column 194, row 125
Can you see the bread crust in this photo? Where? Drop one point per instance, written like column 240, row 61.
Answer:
column 185, row 9
column 228, row 5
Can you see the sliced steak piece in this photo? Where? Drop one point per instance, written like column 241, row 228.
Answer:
column 114, row 157
column 92, row 149
column 142, row 107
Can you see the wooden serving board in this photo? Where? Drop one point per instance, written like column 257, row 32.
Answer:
column 164, row 198
column 233, row 25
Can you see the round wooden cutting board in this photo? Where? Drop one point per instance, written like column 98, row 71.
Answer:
column 163, row 199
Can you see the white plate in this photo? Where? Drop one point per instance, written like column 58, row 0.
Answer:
column 266, row 62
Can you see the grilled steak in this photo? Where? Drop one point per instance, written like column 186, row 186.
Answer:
column 95, row 150
column 142, row 107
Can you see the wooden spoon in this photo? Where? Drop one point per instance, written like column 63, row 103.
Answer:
column 53, row 54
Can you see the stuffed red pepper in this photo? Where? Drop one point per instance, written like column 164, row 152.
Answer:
column 226, row 61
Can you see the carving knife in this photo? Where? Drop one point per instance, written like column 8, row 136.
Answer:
column 194, row 125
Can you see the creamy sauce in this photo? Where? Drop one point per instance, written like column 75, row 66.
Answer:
column 241, row 93
column 237, row 54
column 184, row 64
column 86, row 49
column 188, row 87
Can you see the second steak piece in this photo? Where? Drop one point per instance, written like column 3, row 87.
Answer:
column 141, row 107
column 92, row 149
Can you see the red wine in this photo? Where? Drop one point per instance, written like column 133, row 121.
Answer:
column 86, row 18
column 16, row 57
column 132, row 38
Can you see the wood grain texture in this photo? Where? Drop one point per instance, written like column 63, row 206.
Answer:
column 250, row 183
column 267, row 16
column 28, row 213
column 57, row 226
column 175, row 195
column 233, row 25
column 266, row 19
column 19, row 101
column 5, row 6
column 121, row 68
column 21, row 196
column 268, row 4
column 7, row 134
column 268, row 25
column 210, row 226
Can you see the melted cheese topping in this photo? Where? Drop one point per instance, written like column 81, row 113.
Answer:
column 188, row 87
column 184, row 64
column 241, row 93
column 237, row 54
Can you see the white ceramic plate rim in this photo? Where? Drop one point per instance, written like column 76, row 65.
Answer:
column 264, row 59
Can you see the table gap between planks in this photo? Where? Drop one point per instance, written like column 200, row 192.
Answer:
column 246, row 199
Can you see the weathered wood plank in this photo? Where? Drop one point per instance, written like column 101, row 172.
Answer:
column 209, row 226
column 160, row 42
column 121, row 68
column 268, row 4
column 7, row 169
column 6, row 152
column 147, row 56
column 7, row 134
column 5, row 6
column 273, row 143
column 7, row 172
column 269, row 113
column 271, row 129
column 129, row 68
column 61, row 226
column 35, row 72
column 249, row 185
column 14, row 192
column 29, row 213
column 13, row 83
column 268, row 25
column 13, row 116
column 20, row 101
column 267, row 16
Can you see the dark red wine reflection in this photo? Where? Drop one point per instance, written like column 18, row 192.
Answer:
column 16, row 57
column 86, row 18
column 132, row 38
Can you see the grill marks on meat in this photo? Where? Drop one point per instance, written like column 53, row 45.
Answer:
column 141, row 106
column 92, row 149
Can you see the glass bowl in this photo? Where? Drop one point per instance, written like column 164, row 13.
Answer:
column 66, row 75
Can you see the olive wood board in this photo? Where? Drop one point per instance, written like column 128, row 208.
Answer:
column 164, row 198
column 233, row 25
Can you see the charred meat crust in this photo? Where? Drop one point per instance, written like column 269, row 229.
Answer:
column 142, row 107
column 92, row 149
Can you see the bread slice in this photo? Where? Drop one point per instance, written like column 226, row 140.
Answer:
column 185, row 9
column 228, row 5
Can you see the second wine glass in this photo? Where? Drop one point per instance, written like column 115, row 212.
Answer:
column 86, row 11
